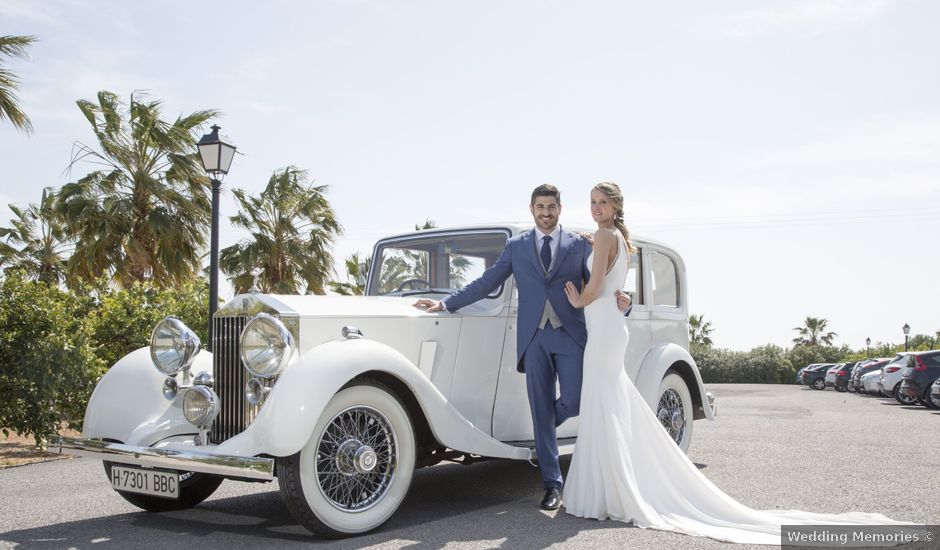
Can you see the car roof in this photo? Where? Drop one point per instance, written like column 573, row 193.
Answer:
column 517, row 228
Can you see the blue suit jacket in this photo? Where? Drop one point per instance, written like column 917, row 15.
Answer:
column 521, row 260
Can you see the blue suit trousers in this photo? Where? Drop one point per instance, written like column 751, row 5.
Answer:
column 552, row 354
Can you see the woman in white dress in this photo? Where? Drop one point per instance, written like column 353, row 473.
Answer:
column 625, row 466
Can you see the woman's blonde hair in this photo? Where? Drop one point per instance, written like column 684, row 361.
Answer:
column 616, row 200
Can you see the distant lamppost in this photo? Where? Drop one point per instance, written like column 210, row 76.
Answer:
column 867, row 347
column 216, row 153
column 907, row 330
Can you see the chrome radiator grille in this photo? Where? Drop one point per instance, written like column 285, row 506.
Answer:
column 230, row 379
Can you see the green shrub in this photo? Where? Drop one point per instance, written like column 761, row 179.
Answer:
column 124, row 319
column 56, row 344
column 49, row 367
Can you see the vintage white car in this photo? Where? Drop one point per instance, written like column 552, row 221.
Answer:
column 341, row 398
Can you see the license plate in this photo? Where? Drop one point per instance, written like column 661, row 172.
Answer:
column 146, row 482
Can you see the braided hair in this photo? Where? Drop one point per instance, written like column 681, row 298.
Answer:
column 616, row 200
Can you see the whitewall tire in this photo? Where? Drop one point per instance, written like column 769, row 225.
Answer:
column 356, row 469
column 674, row 409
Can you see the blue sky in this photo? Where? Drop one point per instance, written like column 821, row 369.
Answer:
column 789, row 150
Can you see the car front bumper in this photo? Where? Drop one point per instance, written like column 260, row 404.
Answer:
column 188, row 460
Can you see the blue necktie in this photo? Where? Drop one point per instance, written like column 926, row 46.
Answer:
column 546, row 252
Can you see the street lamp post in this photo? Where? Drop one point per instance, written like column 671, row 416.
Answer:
column 867, row 348
column 216, row 153
column 907, row 330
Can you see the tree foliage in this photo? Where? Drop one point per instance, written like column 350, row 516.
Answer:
column 356, row 271
column 37, row 241
column 13, row 46
column 143, row 214
column 292, row 226
column 49, row 363
column 700, row 330
column 55, row 343
column 813, row 333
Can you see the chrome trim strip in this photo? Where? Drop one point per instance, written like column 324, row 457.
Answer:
column 187, row 461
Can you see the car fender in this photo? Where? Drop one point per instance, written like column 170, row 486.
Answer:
column 660, row 359
column 128, row 403
column 292, row 408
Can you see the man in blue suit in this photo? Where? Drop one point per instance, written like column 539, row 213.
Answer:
column 551, row 333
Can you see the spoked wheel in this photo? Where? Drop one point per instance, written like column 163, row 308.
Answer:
column 674, row 410
column 356, row 468
column 819, row 384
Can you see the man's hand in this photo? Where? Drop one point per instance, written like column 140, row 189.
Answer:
column 589, row 237
column 623, row 301
column 430, row 305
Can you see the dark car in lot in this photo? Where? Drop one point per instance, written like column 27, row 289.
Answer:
column 799, row 373
column 920, row 374
column 815, row 376
column 864, row 368
column 842, row 374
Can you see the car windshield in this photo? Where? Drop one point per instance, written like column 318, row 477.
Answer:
column 435, row 264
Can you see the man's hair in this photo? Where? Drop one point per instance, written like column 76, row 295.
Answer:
column 546, row 190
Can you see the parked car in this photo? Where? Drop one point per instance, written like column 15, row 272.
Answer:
column 871, row 382
column 342, row 397
column 864, row 368
column 920, row 374
column 840, row 375
column 891, row 378
column 799, row 373
column 815, row 377
column 935, row 392
column 831, row 374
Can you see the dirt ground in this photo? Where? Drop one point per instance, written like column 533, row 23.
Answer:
column 17, row 450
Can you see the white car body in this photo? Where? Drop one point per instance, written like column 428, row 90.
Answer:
column 891, row 374
column 870, row 382
column 455, row 373
column 831, row 374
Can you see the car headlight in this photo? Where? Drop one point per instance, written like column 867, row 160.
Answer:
column 173, row 346
column 200, row 406
column 266, row 346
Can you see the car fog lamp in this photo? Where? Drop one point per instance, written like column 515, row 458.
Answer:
column 173, row 346
column 200, row 406
column 266, row 346
column 256, row 391
column 170, row 388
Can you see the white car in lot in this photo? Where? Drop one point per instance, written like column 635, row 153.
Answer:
column 871, row 382
column 891, row 376
column 341, row 398
column 831, row 374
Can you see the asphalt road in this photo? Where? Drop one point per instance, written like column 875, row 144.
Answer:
column 772, row 447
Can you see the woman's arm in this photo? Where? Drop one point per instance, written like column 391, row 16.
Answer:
column 603, row 248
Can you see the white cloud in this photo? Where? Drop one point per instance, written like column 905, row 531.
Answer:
column 817, row 15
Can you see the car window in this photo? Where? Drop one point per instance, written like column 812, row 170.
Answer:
column 634, row 283
column 664, row 280
column 441, row 263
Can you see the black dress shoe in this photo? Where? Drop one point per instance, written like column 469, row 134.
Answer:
column 552, row 500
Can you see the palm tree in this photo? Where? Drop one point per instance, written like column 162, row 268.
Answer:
column 292, row 227
column 36, row 242
column 143, row 215
column 813, row 332
column 699, row 330
column 13, row 46
column 356, row 270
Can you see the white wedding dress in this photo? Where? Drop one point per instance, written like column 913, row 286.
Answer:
column 626, row 467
